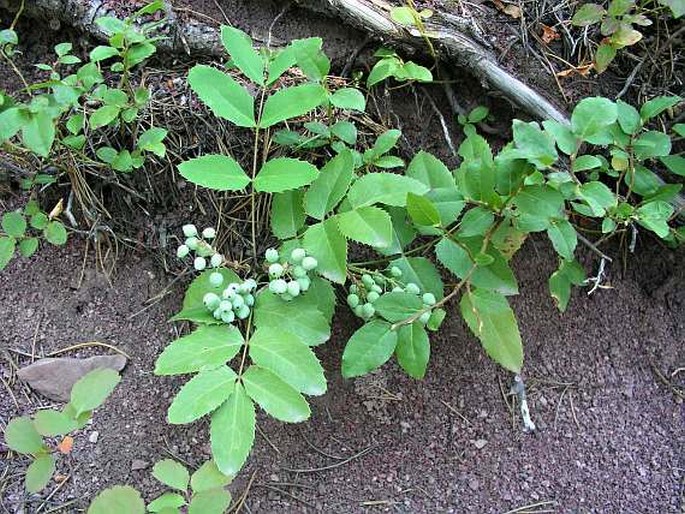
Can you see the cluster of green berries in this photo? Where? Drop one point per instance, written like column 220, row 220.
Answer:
column 205, row 254
column 289, row 275
column 364, row 294
column 234, row 302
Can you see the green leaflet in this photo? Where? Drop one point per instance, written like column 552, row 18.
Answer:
column 300, row 317
column 244, row 56
column 284, row 173
column 7, row 247
column 21, row 436
column 534, row 145
column 369, row 348
column 93, row 389
column 330, row 186
column 232, row 431
column 563, row 237
column 398, row 306
column 385, row 188
column 287, row 357
column 166, row 503
column 422, row 211
column 223, row 95
column 591, row 117
column 208, row 477
column 14, row 224
column 39, row 473
column 287, row 213
column 421, row 272
column 202, row 395
column 367, row 225
column 213, row 501
column 349, row 99
column 52, row 423
column 291, row 102
column 171, row 473
column 218, row 172
column 275, row 396
column 209, row 346
column 38, row 133
column 560, row 282
column 413, row 349
column 326, row 242
column 118, row 499
column 488, row 315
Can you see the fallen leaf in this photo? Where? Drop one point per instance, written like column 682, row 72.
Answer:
column 58, row 478
column 57, row 209
column 583, row 70
column 66, row 445
column 549, row 34
column 509, row 9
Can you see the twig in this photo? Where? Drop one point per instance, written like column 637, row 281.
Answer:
column 331, row 466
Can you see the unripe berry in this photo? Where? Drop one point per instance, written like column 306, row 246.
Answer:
column 367, row 280
column 192, row 243
column 225, row 305
column 396, row 272
column 372, row 296
column 425, row 317
column 211, row 301
column 275, row 270
column 209, row 233
column 189, row 230
column 249, row 300
column 293, row 288
column 216, row 279
column 376, row 289
column 271, row 255
column 200, row 263
column 229, row 293
column 359, row 311
column 249, row 285
column 304, row 282
column 368, row 310
column 412, row 288
column 309, row 263
column 238, row 302
column 278, row 286
column 216, row 260
column 352, row 300
column 297, row 255
column 243, row 312
column 397, row 289
column 299, row 271
column 354, row 289
column 227, row 316
column 217, row 313
column 428, row 298
column 182, row 251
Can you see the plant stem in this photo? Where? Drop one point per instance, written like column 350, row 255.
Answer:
column 253, row 193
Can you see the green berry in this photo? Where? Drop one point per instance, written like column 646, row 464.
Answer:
column 309, row 263
column 225, row 305
column 352, row 300
column 182, row 251
column 217, row 313
column 189, row 230
column 211, row 301
column 368, row 310
column 304, row 282
column 412, row 288
column 293, row 288
column 428, row 298
column 249, row 300
column 367, row 280
column 243, row 312
column 237, row 302
column 275, row 270
column 271, row 255
column 204, row 250
column 425, row 317
column 395, row 272
column 297, row 255
column 227, row 316
column 278, row 286
column 209, row 233
column 200, row 263
column 229, row 293
column 397, row 289
column 354, row 289
column 248, row 285
column 372, row 296
column 216, row 260
column 359, row 311
column 377, row 289
column 216, row 278
column 299, row 271
column 192, row 243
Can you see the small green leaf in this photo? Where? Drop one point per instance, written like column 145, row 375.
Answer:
column 349, row 98
column 563, row 237
column 171, row 473
column 209, row 346
column 384, row 188
column 12, row 121
column 586, row 162
column 325, row 241
column 534, row 144
column 100, row 53
column 476, row 222
column 569, row 273
column 330, row 185
column 382, row 70
column 232, row 431
column 93, row 389
column 151, row 141
column 213, row 501
column 7, row 247
column 118, row 499
column 367, row 225
column 39, row 473
column 369, row 348
column 604, row 55
column 275, row 396
column 654, row 216
column 284, row 173
column 208, row 477
column 403, row 15
column 591, row 117
column 201, row 395
column 21, row 436
column 652, row 144
column 292, row 102
column 52, row 423
column 287, row 213
column 310, row 58
column 398, row 306
column 566, row 141
column 675, row 163
column 588, row 14
column 413, row 349
column 223, row 95
column 14, row 224
column 55, row 233
column 38, row 133
column 287, row 357
column 219, row 172
column 488, row 315
column 598, row 196
column 104, row 116
column 244, row 56
column 421, row 272
column 422, row 211
column 166, row 503
column 657, row 105
column 28, row 246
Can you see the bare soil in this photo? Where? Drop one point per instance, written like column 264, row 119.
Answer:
column 605, row 380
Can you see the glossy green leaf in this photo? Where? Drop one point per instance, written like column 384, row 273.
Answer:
column 675, row 163
column 284, row 173
column 100, row 53
column 566, row 141
column 488, row 315
column 21, row 436
column 591, row 117
column 367, row 225
column 299, row 317
column 287, row 213
column 118, row 499
column 202, row 395
column 398, row 306
column 52, row 423
column 560, row 282
column 93, row 389
column 421, row 272
column 208, row 347
column 657, row 105
column 325, row 241
column 413, row 349
column 598, row 196
column 292, row 102
column 223, row 95
column 563, row 237
column 655, row 216
column 208, row 476
column 244, row 56
column 39, row 473
column 330, row 186
column 422, row 211
column 628, row 117
column 275, row 396
column 171, row 473
column 369, row 348
column 384, row 188
column 232, row 431
column 219, row 172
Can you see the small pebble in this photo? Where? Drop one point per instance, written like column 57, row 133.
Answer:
column 93, row 437
column 480, row 443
